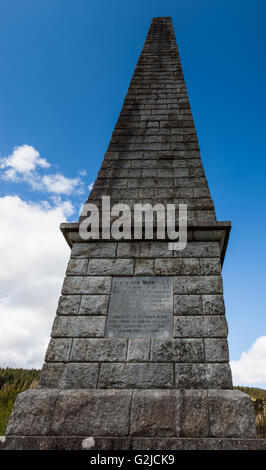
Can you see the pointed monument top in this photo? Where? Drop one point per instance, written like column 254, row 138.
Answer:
column 153, row 155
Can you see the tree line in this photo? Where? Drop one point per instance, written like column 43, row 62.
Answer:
column 14, row 381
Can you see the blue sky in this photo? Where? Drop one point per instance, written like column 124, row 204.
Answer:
column 65, row 69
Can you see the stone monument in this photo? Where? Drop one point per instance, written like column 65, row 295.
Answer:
column 138, row 357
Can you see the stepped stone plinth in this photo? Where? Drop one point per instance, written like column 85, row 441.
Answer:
column 138, row 357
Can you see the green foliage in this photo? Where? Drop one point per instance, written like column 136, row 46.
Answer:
column 12, row 382
column 253, row 392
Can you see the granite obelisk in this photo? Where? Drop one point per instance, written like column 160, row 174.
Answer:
column 138, row 356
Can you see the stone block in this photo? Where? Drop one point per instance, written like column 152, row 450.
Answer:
column 181, row 172
column 32, row 413
column 69, row 376
column 143, row 250
column 187, row 305
column 196, row 172
column 86, row 285
column 203, row 376
column 145, row 164
column 200, row 326
column 144, row 267
column 51, row 375
column 134, row 375
column 86, row 326
column 208, row 235
column 177, row 266
column 206, row 216
column 142, row 182
column 176, row 192
column 93, row 350
column 138, row 350
column 231, row 414
column 93, row 305
column 149, row 172
column 199, row 250
column 58, row 350
column 92, row 412
column 108, row 267
column 78, row 376
column 130, row 173
column 213, row 305
column 107, row 182
column 77, row 267
column 198, row 285
column 146, row 193
column 68, row 305
column 177, row 350
column 201, row 192
column 109, row 163
column 216, row 350
column 155, row 413
column 189, row 183
column 94, row 250
column 209, row 266
column 153, row 443
column 195, row 421
column 74, row 237
column 118, row 194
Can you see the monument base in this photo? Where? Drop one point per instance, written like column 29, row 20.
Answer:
column 127, row 443
column 132, row 419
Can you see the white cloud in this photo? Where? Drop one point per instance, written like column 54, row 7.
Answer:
column 59, row 184
column 22, row 166
column 34, row 255
column 22, row 161
column 91, row 186
column 251, row 367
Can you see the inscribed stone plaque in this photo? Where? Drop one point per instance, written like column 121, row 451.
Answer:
column 140, row 307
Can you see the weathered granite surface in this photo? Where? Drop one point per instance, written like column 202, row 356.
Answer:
column 128, row 443
column 122, row 413
column 159, row 388
column 132, row 419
